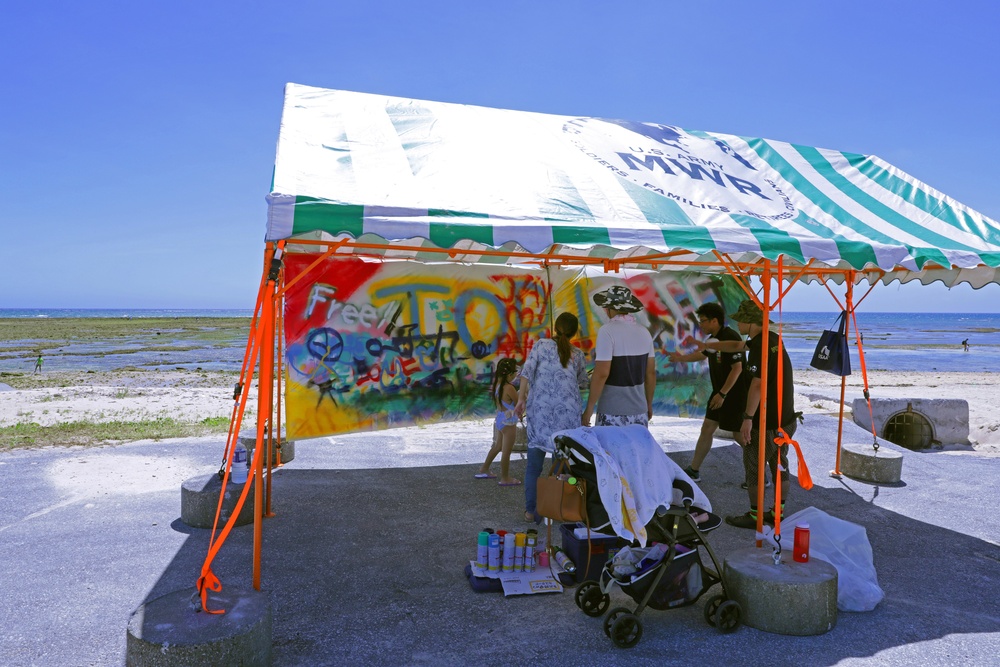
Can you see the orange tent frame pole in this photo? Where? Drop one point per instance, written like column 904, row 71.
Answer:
column 207, row 580
column 657, row 260
column 762, row 406
column 274, row 441
column 265, row 382
column 849, row 303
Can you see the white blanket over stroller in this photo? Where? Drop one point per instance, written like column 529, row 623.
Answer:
column 634, row 476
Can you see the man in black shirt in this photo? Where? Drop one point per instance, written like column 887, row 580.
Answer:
column 729, row 386
column 750, row 320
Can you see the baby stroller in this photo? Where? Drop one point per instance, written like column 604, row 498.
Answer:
column 668, row 575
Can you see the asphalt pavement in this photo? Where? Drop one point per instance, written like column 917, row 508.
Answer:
column 363, row 559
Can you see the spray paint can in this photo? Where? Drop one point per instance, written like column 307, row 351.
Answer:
column 483, row 550
column 508, row 552
column 239, row 472
column 503, row 536
column 800, row 547
column 563, row 560
column 519, row 540
column 530, row 539
column 494, row 553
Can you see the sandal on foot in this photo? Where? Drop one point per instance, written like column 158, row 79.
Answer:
column 484, row 475
column 516, row 482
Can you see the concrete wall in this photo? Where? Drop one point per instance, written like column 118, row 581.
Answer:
column 949, row 417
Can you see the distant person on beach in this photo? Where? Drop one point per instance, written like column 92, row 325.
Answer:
column 965, row 344
column 624, row 378
column 549, row 393
column 38, row 363
column 729, row 385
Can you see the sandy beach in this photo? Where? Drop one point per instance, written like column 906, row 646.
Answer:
column 194, row 396
column 116, row 396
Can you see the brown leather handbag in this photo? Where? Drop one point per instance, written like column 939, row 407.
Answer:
column 558, row 499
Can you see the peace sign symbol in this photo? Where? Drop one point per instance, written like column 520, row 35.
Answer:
column 326, row 345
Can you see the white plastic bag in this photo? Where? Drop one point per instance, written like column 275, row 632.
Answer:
column 844, row 545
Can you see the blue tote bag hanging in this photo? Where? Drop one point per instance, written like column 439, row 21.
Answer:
column 832, row 354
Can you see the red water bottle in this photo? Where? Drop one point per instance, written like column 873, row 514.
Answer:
column 800, row 548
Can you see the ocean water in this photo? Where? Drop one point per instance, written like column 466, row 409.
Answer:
column 897, row 341
column 124, row 312
column 904, row 341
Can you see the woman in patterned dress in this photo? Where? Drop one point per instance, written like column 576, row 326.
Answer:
column 551, row 380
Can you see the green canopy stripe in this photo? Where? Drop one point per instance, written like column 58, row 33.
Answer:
column 925, row 201
column 318, row 215
column 580, row 235
column 447, row 233
column 773, row 241
column 814, row 194
column 877, row 208
column 563, row 200
column 855, row 253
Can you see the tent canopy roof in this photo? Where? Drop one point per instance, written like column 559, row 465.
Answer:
column 406, row 174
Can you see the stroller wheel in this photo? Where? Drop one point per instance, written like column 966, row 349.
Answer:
column 711, row 607
column 610, row 619
column 591, row 600
column 729, row 616
column 626, row 631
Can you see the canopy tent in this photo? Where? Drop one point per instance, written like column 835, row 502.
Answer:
column 388, row 171
column 392, row 178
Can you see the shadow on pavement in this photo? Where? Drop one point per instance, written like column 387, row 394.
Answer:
column 365, row 567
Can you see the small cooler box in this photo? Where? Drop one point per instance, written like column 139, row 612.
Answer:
column 602, row 547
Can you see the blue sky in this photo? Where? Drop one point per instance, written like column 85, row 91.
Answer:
column 137, row 139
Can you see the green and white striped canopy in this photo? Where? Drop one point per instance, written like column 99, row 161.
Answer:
column 407, row 172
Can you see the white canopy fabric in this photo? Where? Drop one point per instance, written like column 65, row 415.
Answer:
column 411, row 174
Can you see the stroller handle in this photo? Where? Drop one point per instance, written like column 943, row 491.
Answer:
column 687, row 498
column 687, row 492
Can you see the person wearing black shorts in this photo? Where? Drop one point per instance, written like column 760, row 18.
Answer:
column 749, row 318
column 729, row 384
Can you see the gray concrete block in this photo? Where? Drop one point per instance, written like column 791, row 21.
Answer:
column 948, row 417
column 787, row 599
column 200, row 500
column 863, row 462
column 286, row 448
column 172, row 631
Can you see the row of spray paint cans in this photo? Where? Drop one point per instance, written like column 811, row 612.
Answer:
column 504, row 551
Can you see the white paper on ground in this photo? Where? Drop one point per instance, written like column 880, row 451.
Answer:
column 524, row 583
column 530, row 583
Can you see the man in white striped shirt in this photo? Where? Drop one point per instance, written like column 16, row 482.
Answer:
column 621, row 387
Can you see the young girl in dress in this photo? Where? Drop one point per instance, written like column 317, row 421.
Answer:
column 505, row 425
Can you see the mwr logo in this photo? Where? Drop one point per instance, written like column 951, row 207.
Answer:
column 697, row 173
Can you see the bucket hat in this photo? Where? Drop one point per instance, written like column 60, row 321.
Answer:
column 748, row 313
column 619, row 298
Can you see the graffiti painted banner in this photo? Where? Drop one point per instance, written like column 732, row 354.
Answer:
column 373, row 345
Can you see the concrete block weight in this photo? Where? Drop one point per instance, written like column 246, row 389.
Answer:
column 200, row 500
column 286, row 448
column 864, row 463
column 172, row 631
column 787, row 599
